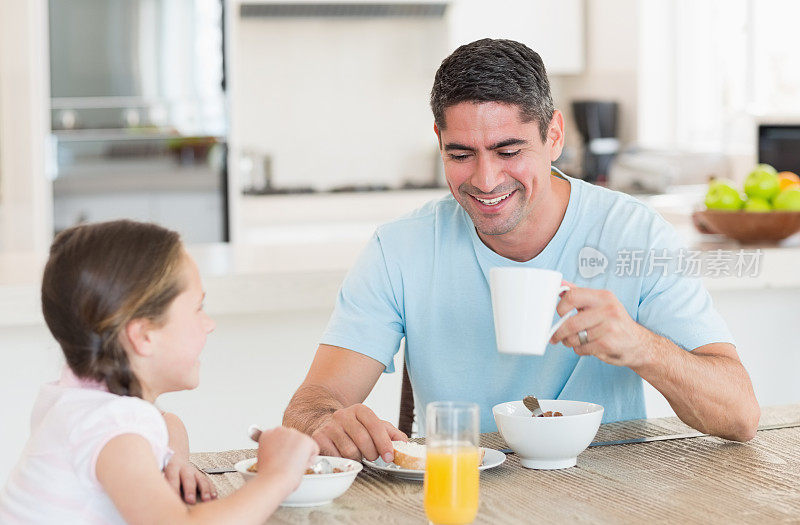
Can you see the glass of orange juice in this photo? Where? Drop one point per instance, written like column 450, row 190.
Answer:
column 451, row 464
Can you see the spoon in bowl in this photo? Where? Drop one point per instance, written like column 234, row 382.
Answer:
column 532, row 404
column 321, row 466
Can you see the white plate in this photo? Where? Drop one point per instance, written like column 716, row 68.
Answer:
column 491, row 459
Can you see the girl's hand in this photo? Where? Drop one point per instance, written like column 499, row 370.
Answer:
column 184, row 477
column 287, row 453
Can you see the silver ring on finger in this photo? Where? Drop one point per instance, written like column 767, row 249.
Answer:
column 583, row 337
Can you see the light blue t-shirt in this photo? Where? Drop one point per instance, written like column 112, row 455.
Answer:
column 424, row 277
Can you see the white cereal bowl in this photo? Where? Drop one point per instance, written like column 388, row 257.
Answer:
column 314, row 489
column 548, row 443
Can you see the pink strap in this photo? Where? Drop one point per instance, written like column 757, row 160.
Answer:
column 70, row 380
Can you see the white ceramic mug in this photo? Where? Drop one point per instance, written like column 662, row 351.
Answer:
column 523, row 302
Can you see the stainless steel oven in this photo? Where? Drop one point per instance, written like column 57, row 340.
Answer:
column 138, row 113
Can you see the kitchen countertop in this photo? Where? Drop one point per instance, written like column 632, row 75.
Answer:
column 300, row 261
column 696, row 480
column 293, row 277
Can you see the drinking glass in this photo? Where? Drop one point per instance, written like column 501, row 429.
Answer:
column 451, row 465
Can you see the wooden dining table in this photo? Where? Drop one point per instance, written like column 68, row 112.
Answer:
column 693, row 480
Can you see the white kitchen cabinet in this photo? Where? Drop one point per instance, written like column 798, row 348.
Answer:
column 555, row 30
column 25, row 191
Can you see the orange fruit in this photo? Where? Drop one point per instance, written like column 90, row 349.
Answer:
column 787, row 178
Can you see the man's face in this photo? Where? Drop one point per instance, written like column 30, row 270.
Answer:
column 496, row 165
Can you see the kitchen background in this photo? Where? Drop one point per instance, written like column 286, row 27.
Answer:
column 276, row 136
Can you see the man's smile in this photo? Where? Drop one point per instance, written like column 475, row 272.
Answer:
column 493, row 201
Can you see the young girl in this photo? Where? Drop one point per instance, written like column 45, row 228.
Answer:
column 125, row 302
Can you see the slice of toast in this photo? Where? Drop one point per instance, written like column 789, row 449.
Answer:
column 411, row 456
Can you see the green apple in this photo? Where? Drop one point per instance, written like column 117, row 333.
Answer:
column 723, row 196
column 763, row 182
column 788, row 200
column 757, row 205
column 766, row 167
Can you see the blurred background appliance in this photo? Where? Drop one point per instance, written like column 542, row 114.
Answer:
column 138, row 114
column 779, row 145
column 656, row 171
column 597, row 124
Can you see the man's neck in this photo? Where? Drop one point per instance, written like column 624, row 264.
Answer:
column 533, row 234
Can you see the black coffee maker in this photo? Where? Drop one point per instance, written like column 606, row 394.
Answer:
column 597, row 124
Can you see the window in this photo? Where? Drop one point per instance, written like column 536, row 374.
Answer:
column 711, row 70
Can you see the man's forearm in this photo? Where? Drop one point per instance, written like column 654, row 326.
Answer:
column 309, row 407
column 711, row 393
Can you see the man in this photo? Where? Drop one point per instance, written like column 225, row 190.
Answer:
column 424, row 277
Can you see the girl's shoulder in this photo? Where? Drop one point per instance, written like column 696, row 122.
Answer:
column 102, row 413
column 85, row 420
column 88, row 407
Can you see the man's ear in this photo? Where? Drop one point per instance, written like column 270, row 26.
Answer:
column 138, row 333
column 438, row 135
column 555, row 135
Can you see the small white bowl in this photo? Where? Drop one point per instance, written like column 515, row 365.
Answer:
column 314, row 489
column 548, row 442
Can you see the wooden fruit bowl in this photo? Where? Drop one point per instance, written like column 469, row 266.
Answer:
column 749, row 227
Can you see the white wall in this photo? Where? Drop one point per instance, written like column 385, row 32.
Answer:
column 336, row 101
column 341, row 101
column 251, row 367
column 611, row 68
column 656, row 113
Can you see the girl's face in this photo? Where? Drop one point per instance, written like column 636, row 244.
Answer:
column 180, row 340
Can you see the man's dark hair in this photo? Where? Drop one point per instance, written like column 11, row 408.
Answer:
column 490, row 70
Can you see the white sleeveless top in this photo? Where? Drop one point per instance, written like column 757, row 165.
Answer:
column 55, row 479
